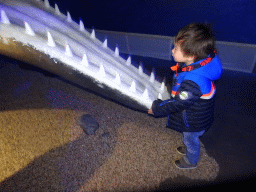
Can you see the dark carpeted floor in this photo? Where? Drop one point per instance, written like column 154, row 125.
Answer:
column 230, row 141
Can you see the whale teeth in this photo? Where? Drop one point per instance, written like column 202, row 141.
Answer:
column 129, row 61
column 93, row 34
column 51, row 42
column 145, row 94
column 102, row 72
column 85, row 61
column 57, row 10
column 133, row 87
column 68, row 51
column 4, row 18
column 47, row 4
column 162, row 86
column 118, row 79
column 69, row 19
column 152, row 77
column 29, row 30
column 116, row 52
column 160, row 96
column 105, row 43
column 81, row 26
column 141, row 68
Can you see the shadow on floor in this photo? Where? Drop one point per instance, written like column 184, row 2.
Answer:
column 66, row 168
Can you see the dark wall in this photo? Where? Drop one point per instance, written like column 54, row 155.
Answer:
column 231, row 20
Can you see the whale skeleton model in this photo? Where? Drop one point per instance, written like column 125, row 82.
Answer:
column 36, row 33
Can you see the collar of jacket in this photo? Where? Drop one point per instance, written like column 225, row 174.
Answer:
column 181, row 67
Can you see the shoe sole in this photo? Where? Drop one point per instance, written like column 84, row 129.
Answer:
column 184, row 168
column 180, row 152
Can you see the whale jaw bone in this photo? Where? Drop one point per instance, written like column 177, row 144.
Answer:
column 83, row 52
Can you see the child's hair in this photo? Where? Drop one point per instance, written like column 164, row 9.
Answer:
column 196, row 39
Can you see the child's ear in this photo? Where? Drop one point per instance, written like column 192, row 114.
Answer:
column 191, row 58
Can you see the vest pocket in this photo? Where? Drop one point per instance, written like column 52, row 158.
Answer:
column 184, row 115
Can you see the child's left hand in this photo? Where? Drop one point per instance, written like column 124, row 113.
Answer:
column 150, row 111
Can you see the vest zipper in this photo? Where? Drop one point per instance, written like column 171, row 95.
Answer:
column 184, row 114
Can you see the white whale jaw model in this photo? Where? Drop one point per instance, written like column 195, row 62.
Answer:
column 34, row 32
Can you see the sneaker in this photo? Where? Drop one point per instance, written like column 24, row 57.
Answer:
column 183, row 164
column 182, row 150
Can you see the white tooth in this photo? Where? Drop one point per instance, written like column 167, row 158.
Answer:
column 51, row 42
column 162, row 86
column 85, row 61
column 29, row 30
column 105, row 44
column 93, row 34
column 69, row 19
column 133, row 87
column 81, row 26
column 152, row 77
column 47, row 4
column 57, row 11
column 116, row 52
column 164, row 80
column 145, row 94
column 4, row 18
column 102, row 72
column 129, row 61
column 118, row 79
column 160, row 96
column 140, row 69
column 68, row 51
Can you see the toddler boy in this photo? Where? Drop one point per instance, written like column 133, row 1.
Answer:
column 190, row 108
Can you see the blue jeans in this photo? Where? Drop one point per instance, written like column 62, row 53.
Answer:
column 191, row 140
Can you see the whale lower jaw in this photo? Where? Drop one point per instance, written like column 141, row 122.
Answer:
column 34, row 32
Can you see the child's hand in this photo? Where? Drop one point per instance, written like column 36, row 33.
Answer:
column 150, row 111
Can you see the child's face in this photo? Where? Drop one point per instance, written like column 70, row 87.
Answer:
column 179, row 55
